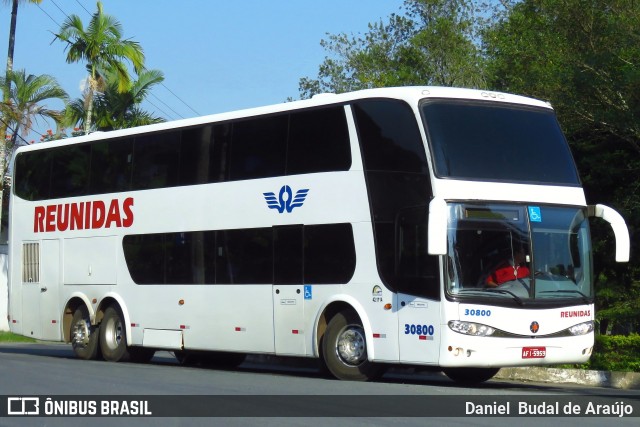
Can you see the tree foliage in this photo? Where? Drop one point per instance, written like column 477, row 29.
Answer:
column 26, row 95
column 118, row 110
column 103, row 49
column 432, row 43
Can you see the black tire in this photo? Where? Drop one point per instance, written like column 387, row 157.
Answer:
column 83, row 335
column 141, row 354
column 113, row 336
column 470, row 376
column 344, row 349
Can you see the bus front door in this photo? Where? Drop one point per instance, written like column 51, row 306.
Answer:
column 40, row 290
column 419, row 334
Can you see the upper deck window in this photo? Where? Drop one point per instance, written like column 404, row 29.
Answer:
column 497, row 142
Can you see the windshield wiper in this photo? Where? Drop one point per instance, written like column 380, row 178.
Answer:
column 497, row 291
column 585, row 298
column 502, row 291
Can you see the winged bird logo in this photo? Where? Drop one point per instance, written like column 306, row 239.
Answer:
column 286, row 201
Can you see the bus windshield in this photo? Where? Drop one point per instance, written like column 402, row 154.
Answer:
column 492, row 141
column 522, row 253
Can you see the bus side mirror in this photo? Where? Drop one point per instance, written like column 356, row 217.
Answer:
column 619, row 229
column 438, row 218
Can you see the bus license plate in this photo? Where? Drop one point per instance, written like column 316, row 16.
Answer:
column 534, row 352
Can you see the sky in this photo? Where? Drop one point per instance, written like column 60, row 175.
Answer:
column 216, row 55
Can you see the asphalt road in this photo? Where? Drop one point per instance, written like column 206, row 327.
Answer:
column 274, row 394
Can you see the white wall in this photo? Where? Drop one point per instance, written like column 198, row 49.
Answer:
column 4, row 289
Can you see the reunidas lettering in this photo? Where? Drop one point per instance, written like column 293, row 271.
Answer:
column 576, row 313
column 83, row 216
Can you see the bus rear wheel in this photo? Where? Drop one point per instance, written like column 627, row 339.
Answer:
column 344, row 349
column 84, row 336
column 113, row 336
column 470, row 376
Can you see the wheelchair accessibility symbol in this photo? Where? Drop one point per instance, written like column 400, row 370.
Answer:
column 307, row 292
column 534, row 214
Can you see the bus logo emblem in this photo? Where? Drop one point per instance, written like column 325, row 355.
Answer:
column 286, row 201
column 534, row 327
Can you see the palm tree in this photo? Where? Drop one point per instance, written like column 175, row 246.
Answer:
column 12, row 29
column 118, row 110
column 26, row 94
column 5, row 98
column 101, row 46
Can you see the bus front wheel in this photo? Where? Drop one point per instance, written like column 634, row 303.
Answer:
column 84, row 336
column 113, row 336
column 344, row 349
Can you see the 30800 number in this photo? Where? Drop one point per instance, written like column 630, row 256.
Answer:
column 473, row 312
column 418, row 329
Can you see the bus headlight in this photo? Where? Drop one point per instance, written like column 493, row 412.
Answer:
column 581, row 328
column 470, row 328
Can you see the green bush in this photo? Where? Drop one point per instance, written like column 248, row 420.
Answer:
column 613, row 353
column 616, row 353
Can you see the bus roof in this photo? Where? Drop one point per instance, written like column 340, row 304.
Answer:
column 410, row 94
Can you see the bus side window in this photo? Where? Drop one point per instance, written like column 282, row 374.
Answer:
column 318, row 141
column 155, row 160
column 258, row 148
column 70, row 171
column 329, row 253
column 204, row 154
column 244, row 256
column 287, row 255
column 33, row 175
column 111, row 166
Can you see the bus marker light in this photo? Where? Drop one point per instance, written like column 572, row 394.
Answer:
column 93, row 301
column 295, row 331
column 54, row 321
column 239, row 329
column 185, row 327
column 379, row 335
column 388, row 306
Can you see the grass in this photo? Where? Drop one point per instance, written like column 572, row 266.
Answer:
column 9, row 337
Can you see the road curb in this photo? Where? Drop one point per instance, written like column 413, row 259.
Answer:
column 620, row 380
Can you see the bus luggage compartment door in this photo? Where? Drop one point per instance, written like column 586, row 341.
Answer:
column 40, row 291
column 288, row 318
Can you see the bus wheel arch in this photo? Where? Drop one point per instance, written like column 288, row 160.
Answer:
column 342, row 344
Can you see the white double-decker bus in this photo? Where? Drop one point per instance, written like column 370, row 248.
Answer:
column 424, row 226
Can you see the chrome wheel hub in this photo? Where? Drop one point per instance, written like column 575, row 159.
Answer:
column 351, row 346
column 81, row 333
column 113, row 334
